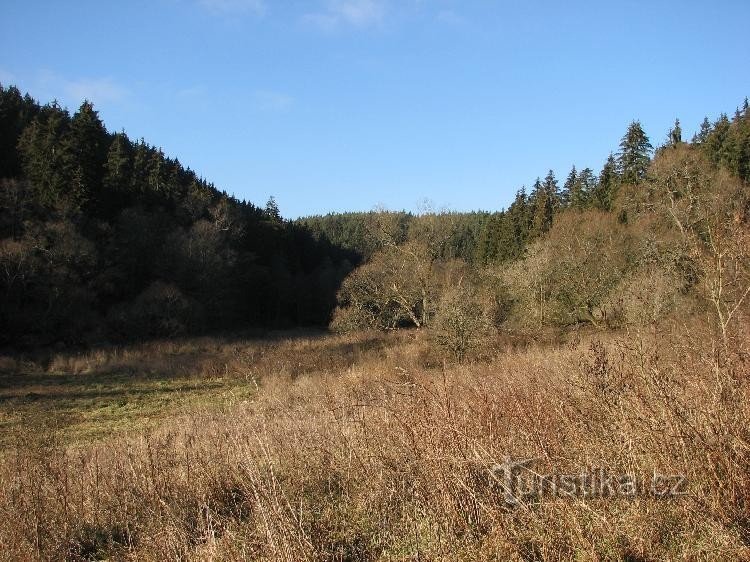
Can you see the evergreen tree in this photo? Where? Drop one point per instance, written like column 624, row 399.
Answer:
column 141, row 160
column 155, row 174
column 604, row 193
column 734, row 151
column 569, row 188
column 675, row 134
column 552, row 190
column 272, row 209
column 520, row 220
column 16, row 112
column 705, row 130
column 489, row 244
column 87, row 140
column 164, row 251
column 634, row 156
column 584, row 188
column 714, row 144
column 543, row 205
column 172, row 178
column 117, row 174
column 46, row 157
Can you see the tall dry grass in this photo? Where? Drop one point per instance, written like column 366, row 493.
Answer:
column 364, row 447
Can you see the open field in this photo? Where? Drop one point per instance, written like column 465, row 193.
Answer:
column 89, row 396
column 370, row 447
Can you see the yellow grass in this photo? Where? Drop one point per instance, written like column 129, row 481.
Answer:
column 370, row 447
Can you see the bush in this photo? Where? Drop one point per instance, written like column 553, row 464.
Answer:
column 159, row 311
column 460, row 322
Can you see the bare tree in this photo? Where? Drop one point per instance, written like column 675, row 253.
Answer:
column 704, row 204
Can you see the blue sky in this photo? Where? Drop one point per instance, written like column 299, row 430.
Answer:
column 334, row 105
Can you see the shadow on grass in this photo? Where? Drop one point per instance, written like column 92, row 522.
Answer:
column 130, row 387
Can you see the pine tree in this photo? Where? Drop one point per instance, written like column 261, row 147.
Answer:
column 118, row 167
column 714, row 144
column 634, row 156
column 87, row 141
column 543, row 201
column 272, row 209
column 552, row 190
column 675, row 134
column 604, row 193
column 46, row 158
column 569, row 189
column 155, row 177
column 585, row 186
column 520, row 222
column 490, row 239
column 705, row 130
column 139, row 175
column 16, row 112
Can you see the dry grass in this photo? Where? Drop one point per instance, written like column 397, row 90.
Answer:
column 368, row 447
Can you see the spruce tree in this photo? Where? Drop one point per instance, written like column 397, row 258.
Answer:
column 509, row 246
column 272, row 209
column 714, row 144
column 16, row 112
column 635, row 154
column 675, row 134
column 543, row 204
column 155, row 176
column 87, row 143
column 585, row 186
column 490, row 239
column 118, row 167
column 139, row 175
column 46, row 158
column 569, row 188
column 552, row 190
column 519, row 220
column 705, row 130
column 604, row 193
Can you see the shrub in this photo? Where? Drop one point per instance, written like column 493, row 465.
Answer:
column 159, row 311
column 460, row 322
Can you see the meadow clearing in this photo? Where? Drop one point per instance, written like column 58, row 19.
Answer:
column 374, row 446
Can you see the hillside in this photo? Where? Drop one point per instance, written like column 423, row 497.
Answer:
column 106, row 239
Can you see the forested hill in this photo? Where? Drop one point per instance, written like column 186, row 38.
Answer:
column 106, row 239
column 103, row 237
column 485, row 238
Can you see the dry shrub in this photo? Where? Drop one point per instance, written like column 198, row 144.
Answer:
column 460, row 323
column 646, row 297
column 567, row 276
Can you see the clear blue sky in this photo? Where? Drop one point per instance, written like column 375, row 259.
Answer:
column 347, row 104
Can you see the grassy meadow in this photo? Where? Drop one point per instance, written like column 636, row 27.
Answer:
column 373, row 446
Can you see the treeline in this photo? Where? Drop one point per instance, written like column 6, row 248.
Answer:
column 103, row 237
column 485, row 238
column 657, row 232
column 106, row 238
column 353, row 230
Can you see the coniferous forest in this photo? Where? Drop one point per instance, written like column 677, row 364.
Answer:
column 106, row 238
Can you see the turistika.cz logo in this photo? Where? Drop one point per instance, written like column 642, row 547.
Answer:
column 521, row 484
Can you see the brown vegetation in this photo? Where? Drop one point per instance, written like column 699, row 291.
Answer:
column 599, row 329
column 366, row 447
